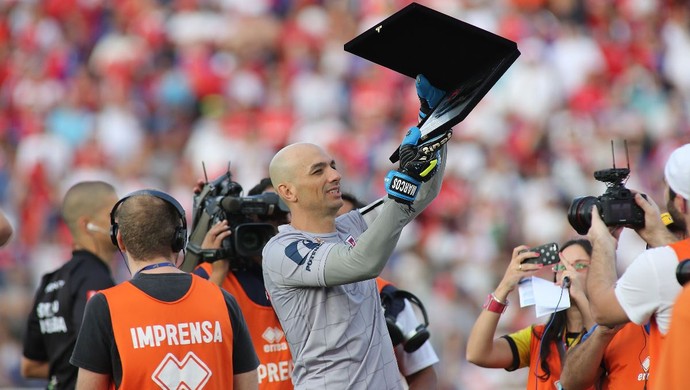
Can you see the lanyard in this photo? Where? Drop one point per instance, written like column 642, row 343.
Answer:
column 154, row 266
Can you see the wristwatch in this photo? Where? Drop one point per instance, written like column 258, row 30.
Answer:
column 494, row 305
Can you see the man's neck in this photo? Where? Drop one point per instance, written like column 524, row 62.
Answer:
column 313, row 224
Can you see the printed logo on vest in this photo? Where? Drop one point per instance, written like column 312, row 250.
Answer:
column 274, row 337
column 189, row 373
column 643, row 376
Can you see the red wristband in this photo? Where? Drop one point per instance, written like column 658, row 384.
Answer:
column 494, row 305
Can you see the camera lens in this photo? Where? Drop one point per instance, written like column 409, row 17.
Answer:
column 251, row 238
column 580, row 213
column 683, row 272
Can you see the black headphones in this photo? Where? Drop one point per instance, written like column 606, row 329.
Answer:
column 179, row 240
column 393, row 301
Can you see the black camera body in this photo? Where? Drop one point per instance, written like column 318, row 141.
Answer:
column 616, row 205
column 245, row 216
column 252, row 221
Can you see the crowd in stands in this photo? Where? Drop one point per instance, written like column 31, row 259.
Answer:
column 140, row 93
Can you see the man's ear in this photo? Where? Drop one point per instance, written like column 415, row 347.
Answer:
column 287, row 192
column 120, row 244
column 681, row 204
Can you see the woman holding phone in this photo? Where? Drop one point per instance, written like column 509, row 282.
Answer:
column 541, row 347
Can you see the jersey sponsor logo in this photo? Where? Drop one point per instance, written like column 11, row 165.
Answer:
column 298, row 251
column 275, row 372
column 189, row 373
column 48, row 321
column 351, row 241
column 184, row 333
column 274, row 337
column 52, row 286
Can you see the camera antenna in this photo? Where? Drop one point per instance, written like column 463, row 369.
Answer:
column 203, row 167
column 627, row 156
column 613, row 155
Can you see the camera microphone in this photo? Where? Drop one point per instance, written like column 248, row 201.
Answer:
column 231, row 204
column 566, row 282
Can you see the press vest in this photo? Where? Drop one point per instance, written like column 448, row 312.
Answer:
column 682, row 249
column 267, row 336
column 554, row 362
column 182, row 344
column 626, row 359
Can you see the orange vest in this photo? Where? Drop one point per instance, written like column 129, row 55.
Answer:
column 182, row 344
column 267, row 335
column 381, row 283
column 626, row 359
column 673, row 353
column 554, row 362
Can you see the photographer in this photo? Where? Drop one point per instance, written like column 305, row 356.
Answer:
column 243, row 279
column 539, row 347
column 647, row 289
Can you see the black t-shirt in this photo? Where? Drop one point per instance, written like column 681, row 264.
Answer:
column 55, row 318
column 96, row 349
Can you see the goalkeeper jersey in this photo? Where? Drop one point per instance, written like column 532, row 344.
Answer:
column 337, row 335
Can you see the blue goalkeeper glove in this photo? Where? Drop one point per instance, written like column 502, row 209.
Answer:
column 429, row 96
column 416, row 166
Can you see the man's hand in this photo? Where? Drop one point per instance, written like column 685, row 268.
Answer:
column 429, row 96
column 654, row 232
column 416, row 167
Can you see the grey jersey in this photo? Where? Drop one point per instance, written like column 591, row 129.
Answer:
column 337, row 334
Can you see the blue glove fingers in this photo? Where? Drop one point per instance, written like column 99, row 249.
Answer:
column 412, row 136
column 428, row 92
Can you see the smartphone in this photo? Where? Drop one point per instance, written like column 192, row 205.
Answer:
column 548, row 254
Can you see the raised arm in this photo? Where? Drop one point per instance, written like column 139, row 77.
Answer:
column 483, row 349
column 601, row 279
column 582, row 367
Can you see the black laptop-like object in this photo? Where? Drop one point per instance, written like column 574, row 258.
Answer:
column 462, row 59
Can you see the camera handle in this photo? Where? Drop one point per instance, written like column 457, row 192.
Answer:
column 207, row 255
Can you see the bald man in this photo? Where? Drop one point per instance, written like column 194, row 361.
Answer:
column 319, row 272
column 55, row 319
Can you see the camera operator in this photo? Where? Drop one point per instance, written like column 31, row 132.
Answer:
column 244, row 280
column 56, row 316
column 416, row 366
column 647, row 289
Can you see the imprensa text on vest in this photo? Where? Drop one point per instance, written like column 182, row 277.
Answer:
column 184, row 333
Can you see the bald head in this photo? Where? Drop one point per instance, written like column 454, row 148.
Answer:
column 86, row 199
column 289, row 160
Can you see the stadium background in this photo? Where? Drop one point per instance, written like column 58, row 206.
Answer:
column 140, row 92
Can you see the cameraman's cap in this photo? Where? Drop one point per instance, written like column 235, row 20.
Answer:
column 677, row 171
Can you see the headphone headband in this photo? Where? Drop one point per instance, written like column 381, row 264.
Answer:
column 179, row 241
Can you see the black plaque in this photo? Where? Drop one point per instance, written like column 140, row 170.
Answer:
column 462, row 59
